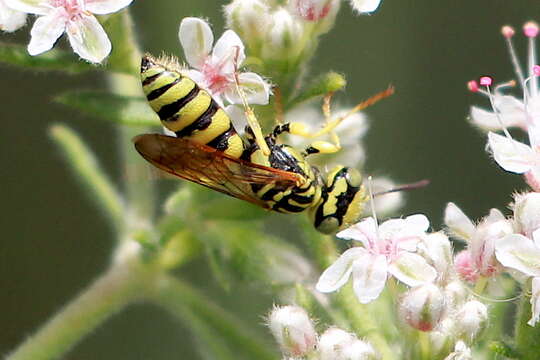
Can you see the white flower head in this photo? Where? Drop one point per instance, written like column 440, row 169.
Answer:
column 10, row 20
column 387, row 249
column 74, row 17
column 422, row 307
column 214, row 68
column 479, row 257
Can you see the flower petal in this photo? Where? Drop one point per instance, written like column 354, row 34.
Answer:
column 458, row 222
column 101, row 7
column 412, row 269
column 11, row 20
column 511, row 112
column 364, row 231
column 228, row 49
column 46, row 30
column 535, row 301
column 196, row 38
column 257, row 90
column 511, row 155
column 365, row 6
column 518, row 252
column 88, row 39
column 38, row 7
column 338, row 273
column 369, row 277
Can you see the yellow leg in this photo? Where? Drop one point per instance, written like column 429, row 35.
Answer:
column 250, row 116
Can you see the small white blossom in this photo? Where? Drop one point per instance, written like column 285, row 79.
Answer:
column 284, row 37
column 75, row 17
column 387, row 249
column 293, row 330
column 251, row 19
column 479, row 257
column 10, row 20
column 215, row 67
column 523, row 254
column 437, row 248
column 332, row 343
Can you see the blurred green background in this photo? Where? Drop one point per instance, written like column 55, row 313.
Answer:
column 55, row 242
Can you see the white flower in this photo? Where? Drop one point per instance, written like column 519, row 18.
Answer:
column 10, row 20
column 75, row 17
column 337, row 344
column 523, row 254
column 461, row 352
column 510, row 111
column 422, row 307
column 387, row 249
column 215, row 68
column 479, row 257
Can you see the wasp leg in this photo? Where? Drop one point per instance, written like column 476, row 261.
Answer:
column 250, row 115
column 316, row 147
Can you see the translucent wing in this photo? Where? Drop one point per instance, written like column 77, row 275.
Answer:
column 210, row 167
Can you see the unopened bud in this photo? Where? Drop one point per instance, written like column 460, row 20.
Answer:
column 293, row 330
column 311, row 10
column 283, row 41
column 333, row 342
column 422, row 307
column 439, row 251
column 471, row 319
column 455, row 293
column 360, row 350
column 527, row 213
column 250, row 19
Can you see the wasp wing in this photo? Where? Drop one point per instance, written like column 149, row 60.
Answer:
column 209, row 167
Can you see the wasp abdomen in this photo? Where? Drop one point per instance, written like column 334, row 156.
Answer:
column 186, row 109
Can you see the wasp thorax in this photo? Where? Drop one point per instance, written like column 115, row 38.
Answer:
column 342, row 200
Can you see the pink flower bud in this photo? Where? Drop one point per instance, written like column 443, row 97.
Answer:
column 293, row 330
column 422, row 307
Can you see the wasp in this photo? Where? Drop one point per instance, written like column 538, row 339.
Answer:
column 209, row 151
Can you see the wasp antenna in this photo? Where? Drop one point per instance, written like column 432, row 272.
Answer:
column 405, row 187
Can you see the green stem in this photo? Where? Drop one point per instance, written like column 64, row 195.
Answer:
column 115, row 289
column 425, row 345
column 363, row 321
column 526, row 336
column 480, row 285
column 185, row 302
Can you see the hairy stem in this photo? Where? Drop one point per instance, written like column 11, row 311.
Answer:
column 119, row 286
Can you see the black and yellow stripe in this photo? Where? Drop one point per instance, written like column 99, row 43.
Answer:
column 341, row 202
column 186, row 109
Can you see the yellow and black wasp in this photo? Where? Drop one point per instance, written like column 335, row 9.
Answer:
column 208, row 150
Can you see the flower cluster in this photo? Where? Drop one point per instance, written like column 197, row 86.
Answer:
column 513, row 243
column 284, row 34
column 295, row 333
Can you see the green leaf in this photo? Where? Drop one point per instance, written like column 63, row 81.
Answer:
column 55, row 59
column 322, row 85
column 503, row 349
column 85, row 165
column 125, row 110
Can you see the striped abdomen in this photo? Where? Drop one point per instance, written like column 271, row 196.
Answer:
column 188, row 110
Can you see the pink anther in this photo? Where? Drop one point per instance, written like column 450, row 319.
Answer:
column 472, row 86
column 530, row 29
column 536, row 70
column 507, row 31
column 486, row 81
